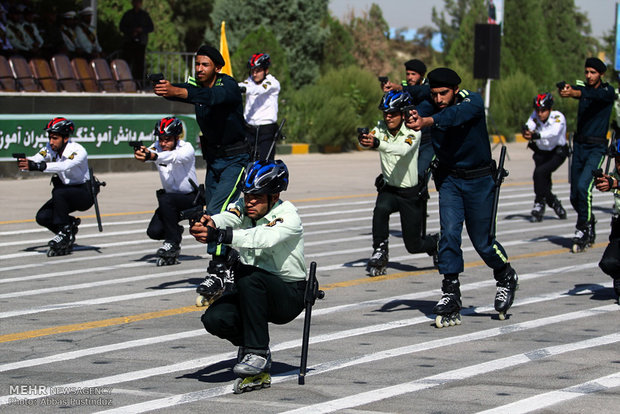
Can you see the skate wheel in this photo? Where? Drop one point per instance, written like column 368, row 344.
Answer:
column 502, row 316
column 50, row 253
column 439, row 321
column 201, row 301
column 237, row 386
column 575, row 248
column 160, row 261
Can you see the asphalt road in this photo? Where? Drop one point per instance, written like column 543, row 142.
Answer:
column 105, row 329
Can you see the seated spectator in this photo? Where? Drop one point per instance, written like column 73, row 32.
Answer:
column 51, row 33
column 15, row 32
column 6, row 47
column 35, row 41
column 86, row 34
column 69, row 23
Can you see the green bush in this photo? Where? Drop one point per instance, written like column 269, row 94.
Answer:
column 328, row 112
column 511, row 103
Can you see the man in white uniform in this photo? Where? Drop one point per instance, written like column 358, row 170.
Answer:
column 261, row 106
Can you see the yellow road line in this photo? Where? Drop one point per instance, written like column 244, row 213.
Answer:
column 18, row 336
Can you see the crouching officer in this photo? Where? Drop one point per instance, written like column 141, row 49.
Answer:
column 546, row 131
column 175, row 162
column 398, row 187
column 269, row 278
column 463, row 173
column 68, row 161
column 610, row 262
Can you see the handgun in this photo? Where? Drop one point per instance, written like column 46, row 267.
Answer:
column 155, row 78
column 18, row 155
column 135, row 144
column 192, row 214
column 561, row 84
column 362, row 131
column 407, row 111
column 383, row 79
column 598, row 173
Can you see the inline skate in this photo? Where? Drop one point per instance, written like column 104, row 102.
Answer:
column 449, row 306
column 168, row 254
column 556, row 205
column 507, row 284
column 219, row 280
column 581, row 239
column 253, row 370
column 63, row 242
column 538, row 211
column 378, row 261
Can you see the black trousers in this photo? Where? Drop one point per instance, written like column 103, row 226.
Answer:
column 242, row 317
column 262, row 145
column 610, row 262
column 66, row 199
column 410, row 209
column 546, row 163
column 164, row 224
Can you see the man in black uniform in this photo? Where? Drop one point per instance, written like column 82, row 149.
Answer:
column 596, row 99
column 463, row 173
column 219, row 113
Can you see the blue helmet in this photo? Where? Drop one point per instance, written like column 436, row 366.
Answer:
column 265, row 177
column 395, row 101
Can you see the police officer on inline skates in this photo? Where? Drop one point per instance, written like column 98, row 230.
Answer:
column 546, row 131
column 398, row 186
column 261, row 106
column 269, row 278
column 610, row 262
column 596, row 99
column 463, row 173
column 68, row 161
column 219, row 113
column 175, row 162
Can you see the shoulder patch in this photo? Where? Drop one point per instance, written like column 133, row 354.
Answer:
column 72, row 156
column 265, row 86
column 274, row 222
column 234, row 211
column 409, row 140
column 463, row 93
column 43, row 152
column 580, row 83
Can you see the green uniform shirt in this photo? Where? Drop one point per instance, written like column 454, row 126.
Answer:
column 274, row 243
column 399, row 155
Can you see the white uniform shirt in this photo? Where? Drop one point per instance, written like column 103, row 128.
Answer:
column 71, row 167
column 86, row 39
column 176, row 167
column 552, row 133
column 261, row 101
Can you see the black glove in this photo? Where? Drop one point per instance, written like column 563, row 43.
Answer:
column 151, row 155
column 37, row 166
column 219, row 236
column 375, row 142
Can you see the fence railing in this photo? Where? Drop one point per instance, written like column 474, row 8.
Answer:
column 176, row 66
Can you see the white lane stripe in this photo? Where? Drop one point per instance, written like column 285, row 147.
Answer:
column 375, row 302
column 357, row 400
column 445, row 377
column 548, row 399
column 89, row 285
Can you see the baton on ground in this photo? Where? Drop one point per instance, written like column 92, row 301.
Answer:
column 312, row 293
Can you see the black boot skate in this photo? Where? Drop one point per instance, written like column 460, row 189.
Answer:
column 449, row 306
column 63, row 242
column 581, row 239
column 507, row 284
column 253, row 370
column 538, row 211
column 379, row 260
column 220, row 279
column 556, row 205
column 168, row 254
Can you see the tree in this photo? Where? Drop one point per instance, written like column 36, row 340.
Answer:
column 296, row 24
column 462, row 47
column 450, row 27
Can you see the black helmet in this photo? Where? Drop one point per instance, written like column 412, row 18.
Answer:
column 259, row 60
column 168, row 127
column 395, row 101
column 543, row 101
column 60, row 126
column 265, row 177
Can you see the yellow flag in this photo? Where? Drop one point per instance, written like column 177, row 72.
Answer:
column 227, row 69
